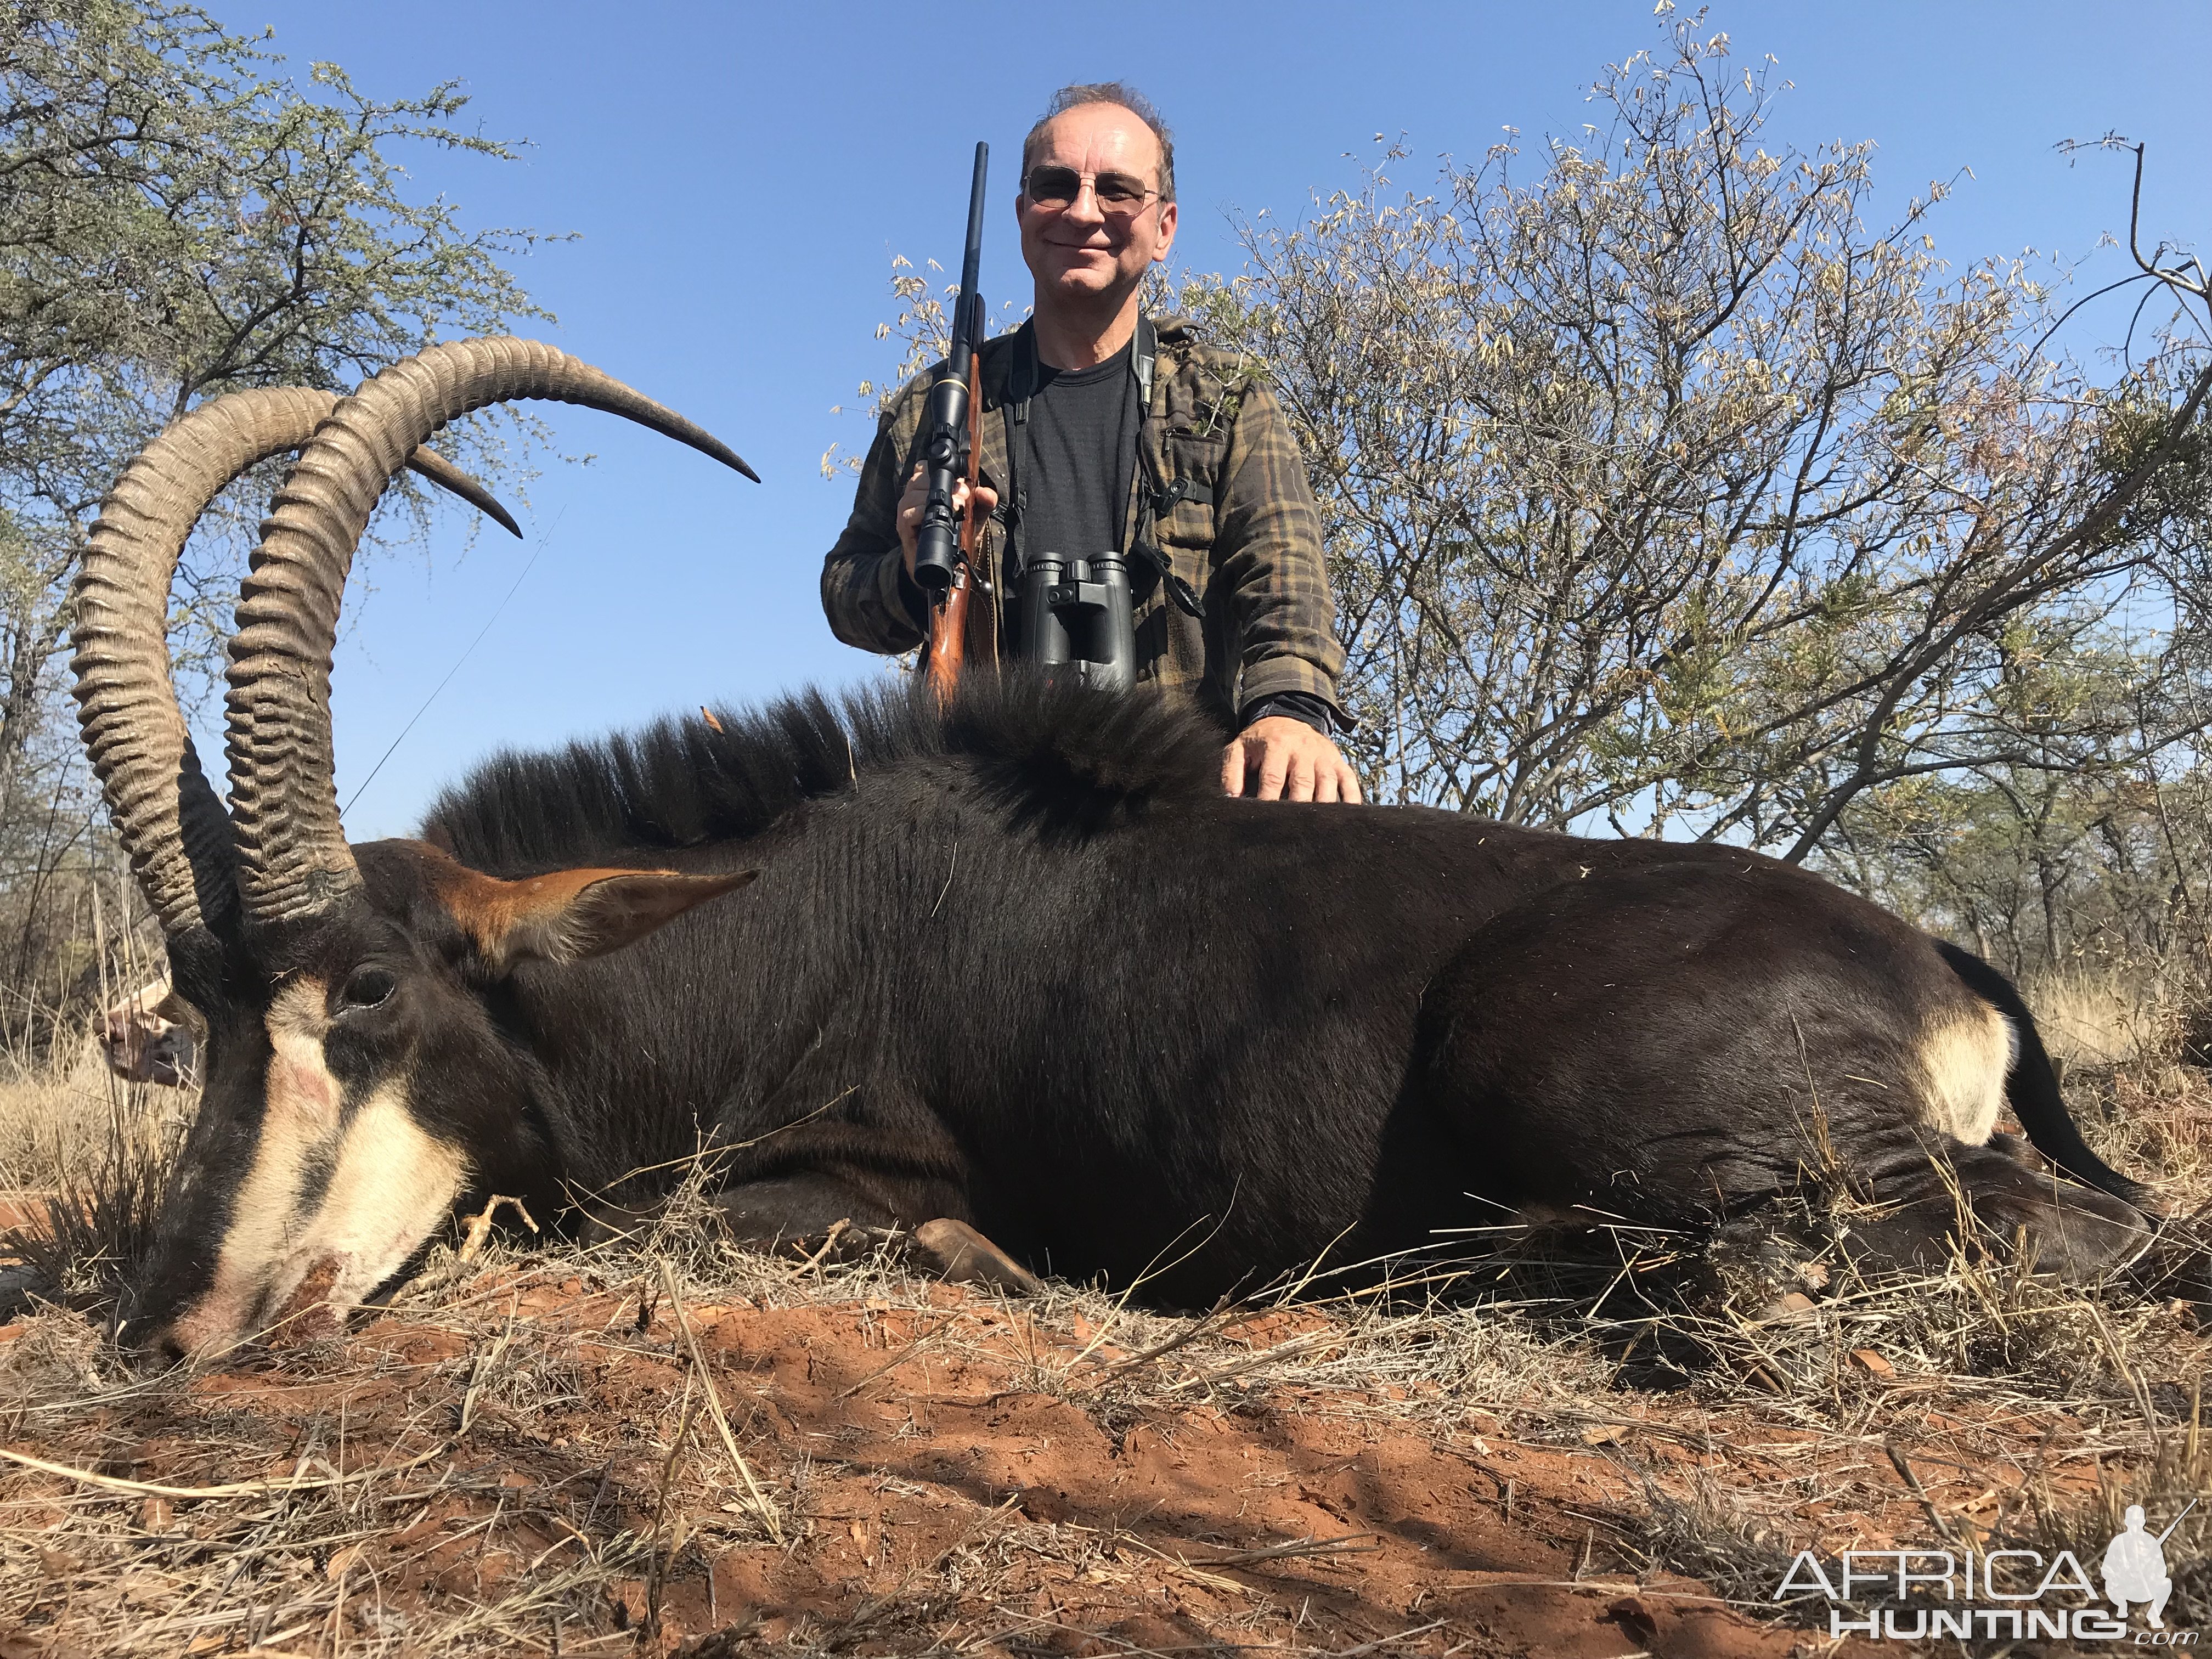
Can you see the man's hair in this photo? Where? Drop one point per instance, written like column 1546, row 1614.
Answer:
column 1107, row 92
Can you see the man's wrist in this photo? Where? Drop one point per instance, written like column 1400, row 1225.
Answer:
column 1300, row 706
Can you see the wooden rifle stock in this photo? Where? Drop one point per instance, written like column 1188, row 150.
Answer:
column 945, row 652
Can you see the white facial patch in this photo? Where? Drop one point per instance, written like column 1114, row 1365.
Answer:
column 1963, row 1066
column 389, row 1184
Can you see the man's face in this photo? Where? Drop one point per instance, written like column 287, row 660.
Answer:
column 1081, row 249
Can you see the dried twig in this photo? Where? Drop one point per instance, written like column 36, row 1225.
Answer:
column 875, row 1604
column 895, row 1360
column 1211, row 1325
column 659, row 1559
column 762, row 1507
column 227, row 1489
column 480, row 1225
column 480, row 1373
column 1351, row 1543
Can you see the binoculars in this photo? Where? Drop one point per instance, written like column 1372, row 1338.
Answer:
column 1073, row 618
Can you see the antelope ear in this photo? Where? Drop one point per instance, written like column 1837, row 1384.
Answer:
column 570, row 915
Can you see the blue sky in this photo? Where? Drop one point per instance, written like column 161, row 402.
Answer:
column 739, row 177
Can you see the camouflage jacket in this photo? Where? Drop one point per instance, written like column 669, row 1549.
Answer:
column 1234, row 518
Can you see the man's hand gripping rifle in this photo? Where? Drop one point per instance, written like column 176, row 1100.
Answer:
column 949, row 448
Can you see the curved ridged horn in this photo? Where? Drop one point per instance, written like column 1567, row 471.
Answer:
column 171, row 824
column 429, row 463
column 294, row 860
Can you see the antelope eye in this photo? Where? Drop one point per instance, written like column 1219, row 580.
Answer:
column 367, row 987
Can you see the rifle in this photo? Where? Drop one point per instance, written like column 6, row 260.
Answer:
column 949, row 447
column 2177, row 1520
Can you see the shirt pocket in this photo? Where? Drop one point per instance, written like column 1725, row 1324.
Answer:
column 1194, row 462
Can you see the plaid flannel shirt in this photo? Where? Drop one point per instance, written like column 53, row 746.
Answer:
column 1246, row 536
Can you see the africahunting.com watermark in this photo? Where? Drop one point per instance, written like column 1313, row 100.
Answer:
column 2018, row 1594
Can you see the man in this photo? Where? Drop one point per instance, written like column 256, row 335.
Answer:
column 2135, row 1570
column 1103, row 429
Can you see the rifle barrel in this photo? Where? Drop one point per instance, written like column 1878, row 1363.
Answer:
column 2177, row 1520
column 967, row 320
column 942, row 538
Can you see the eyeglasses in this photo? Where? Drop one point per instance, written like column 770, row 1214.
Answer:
column 1055, row 188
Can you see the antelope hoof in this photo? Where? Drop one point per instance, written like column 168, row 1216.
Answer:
column 963, row 1256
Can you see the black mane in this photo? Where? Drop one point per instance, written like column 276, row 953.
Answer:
column 1068, row 754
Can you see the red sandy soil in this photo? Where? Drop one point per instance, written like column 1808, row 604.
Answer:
column 959, row 1474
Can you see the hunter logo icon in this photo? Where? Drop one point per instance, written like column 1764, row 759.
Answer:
column 2020, row 1593
column 2134, row 1567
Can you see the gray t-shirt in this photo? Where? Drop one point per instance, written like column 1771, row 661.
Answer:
column 1077, row 448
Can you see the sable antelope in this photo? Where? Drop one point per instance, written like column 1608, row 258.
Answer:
column 1012, row 962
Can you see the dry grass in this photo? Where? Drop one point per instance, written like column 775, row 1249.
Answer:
column 84, row 1156
column 521, row 1455
column 54, row 1115
column 2094, row 1022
